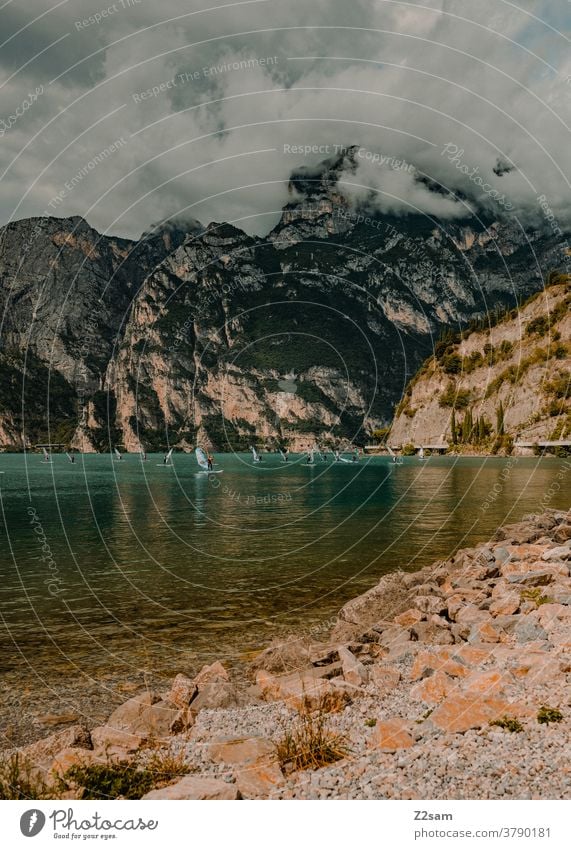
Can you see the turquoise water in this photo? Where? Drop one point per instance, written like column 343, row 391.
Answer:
column 134, row 566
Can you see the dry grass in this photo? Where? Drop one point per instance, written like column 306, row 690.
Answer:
column 20, row 780
column 308, row 743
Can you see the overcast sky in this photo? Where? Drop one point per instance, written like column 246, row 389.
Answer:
column 436, row 87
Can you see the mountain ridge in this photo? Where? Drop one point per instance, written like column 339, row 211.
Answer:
column 186, row 334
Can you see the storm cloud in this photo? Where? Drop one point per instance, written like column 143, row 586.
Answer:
column 132, row 112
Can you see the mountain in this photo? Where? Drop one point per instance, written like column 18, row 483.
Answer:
column 503, row 380
column 206, row 333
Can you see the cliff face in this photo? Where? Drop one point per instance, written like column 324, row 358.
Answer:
column 514, row 378
column 206, row 333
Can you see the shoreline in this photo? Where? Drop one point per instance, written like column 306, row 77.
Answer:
column 411, row 676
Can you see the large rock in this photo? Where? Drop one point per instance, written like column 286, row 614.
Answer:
column 44, row 751
column 384, row 678
column 430, row 632
column 391, row 735
column 196, row 787
column 144, row 717
column 283, row 656
column 212, row 674
column 302, row 691
column 562, row 533
column 434, row 689
column 459, row 713
column 528, row 630
column 255, row 759
column 182, row 691
column 485, row 632
column 383, row 602
column 536, row 578
column 505, row 604
column 353, row 670
column 409, row 617
column 430, row 604
column 217, row 694
column 560, row 552
column 67, row 758
column 439, row 660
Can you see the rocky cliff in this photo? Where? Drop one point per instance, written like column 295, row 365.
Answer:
column 493, row 385
column 205, row 332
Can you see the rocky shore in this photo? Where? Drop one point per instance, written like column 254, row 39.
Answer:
column 452, row 682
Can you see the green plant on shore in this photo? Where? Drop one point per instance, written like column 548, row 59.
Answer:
column 424, row 716
column 309, row 744
column 371, row 722
column 124, row 779
column 545, row 715
column 19, row 780
column 535, row 594
column 509, row 723
column 408, row 450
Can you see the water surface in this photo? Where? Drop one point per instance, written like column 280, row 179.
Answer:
column 131, row 567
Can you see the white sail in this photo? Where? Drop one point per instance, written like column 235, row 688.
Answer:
column 421, row 453
column 118, row 455
column 47, row 458
column 201, row 458
column 391, row 452
column 168, row 456
column 255, row 454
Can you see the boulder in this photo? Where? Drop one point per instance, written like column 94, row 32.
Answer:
column 384, row 601
column 145, row 716
column 486, row 683
column 240, row 750
column 428, row 632
column 458, row 713
column 505, row 604
column 433, row 689
column 284, row 655
column 44, row 751
column 69, row 757
column 215, row 694
column 115, row 742
column 384, row 678
column 353, row 670
column 485, row 632
column 257, row 770
column 182, row 691
column 409, row 617
column 430, row 604
column 196, row 787
column 561, row 552
column 212, row 674
column 302, row 691
column 528, row 631
column 391, row 735
column 429, row 662
column 470, row 615
column 537, row 578
column 394, row 635
column 562, row 533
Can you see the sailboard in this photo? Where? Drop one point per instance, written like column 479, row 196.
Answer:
column 202, row 461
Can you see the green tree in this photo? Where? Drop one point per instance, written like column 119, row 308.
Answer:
column 500, row 424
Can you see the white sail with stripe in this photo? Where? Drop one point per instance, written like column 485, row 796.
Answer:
column 201, row 458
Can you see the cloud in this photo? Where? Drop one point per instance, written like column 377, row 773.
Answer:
column 209, row 99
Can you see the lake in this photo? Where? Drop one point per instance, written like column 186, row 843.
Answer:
column 131, row 568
